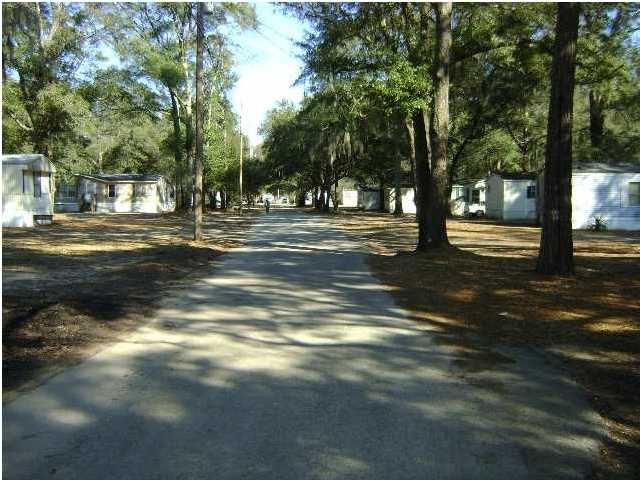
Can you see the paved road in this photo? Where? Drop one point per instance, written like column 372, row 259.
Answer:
column 291, row 362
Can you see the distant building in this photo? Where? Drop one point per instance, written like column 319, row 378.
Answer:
column 407, row 191
column 468, row 197
column 27, row 190
column 512, row 196
column 125, row 193
column 361, row 196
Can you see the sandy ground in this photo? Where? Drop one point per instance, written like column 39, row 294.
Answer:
column 484, row 292
column 71, row 288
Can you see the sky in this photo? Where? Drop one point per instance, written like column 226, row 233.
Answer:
column 267, row 67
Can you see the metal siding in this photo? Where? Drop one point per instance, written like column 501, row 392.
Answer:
column 605, row 195
column 349, row 198
column 494, row 196
column 516, row 205
column 18, row 208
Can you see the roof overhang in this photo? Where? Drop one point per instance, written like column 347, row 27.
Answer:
column 30, row 162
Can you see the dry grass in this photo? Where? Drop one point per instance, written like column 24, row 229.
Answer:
column 485, row 287
column 73, row 287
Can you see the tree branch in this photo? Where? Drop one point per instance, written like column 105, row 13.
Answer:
column 20, row 124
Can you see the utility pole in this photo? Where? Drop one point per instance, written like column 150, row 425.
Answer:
column 197, row 181
column 241, row 147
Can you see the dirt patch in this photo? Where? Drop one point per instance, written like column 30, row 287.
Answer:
column 74, row 287
column 485, row 287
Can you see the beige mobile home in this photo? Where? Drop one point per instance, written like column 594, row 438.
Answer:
column 126, row 193
column 27, row 190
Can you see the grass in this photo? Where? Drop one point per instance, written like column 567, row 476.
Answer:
column 483, row 291
column 74, row 287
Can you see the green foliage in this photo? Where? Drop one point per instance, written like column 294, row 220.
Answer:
column 500, row 79
column 367, row 68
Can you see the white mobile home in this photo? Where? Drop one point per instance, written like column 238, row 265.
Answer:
column 360, row 197
column 126, row 193
column 408, row 204
column 349, row 198
column 27, row 190
column 407, row 191
column 468, row 197
column 459, row 199
column 607, row 191
column 512, row 196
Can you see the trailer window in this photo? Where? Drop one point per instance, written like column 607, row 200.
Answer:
column 111, row 191
column 531, row 191
column 475, row 196
column 37, row 184
column 634, row 193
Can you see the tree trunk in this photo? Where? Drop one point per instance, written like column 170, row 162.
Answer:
column 302, row 198
column 325, row 198
column 397, row 188
column 197, row 181
column 452, row 169
column 556, row 243
column 422, row 153
column 177, row 147
column 316, row 199
column 439, row 204
column 408, row 123
column 189, row 138
column 596, row 118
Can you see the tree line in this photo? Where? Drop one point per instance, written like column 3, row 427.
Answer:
column 450, row 92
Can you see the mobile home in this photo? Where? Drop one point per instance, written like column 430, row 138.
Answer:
column 512, row 196
column 406, row 182
column 349, row 198
column 407, row 199
column 27, row 190
column 609, row 192
column 468, row 197
column 362, row 197
column 126, row 193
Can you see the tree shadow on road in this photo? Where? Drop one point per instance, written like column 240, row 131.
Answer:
column 295, row 363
